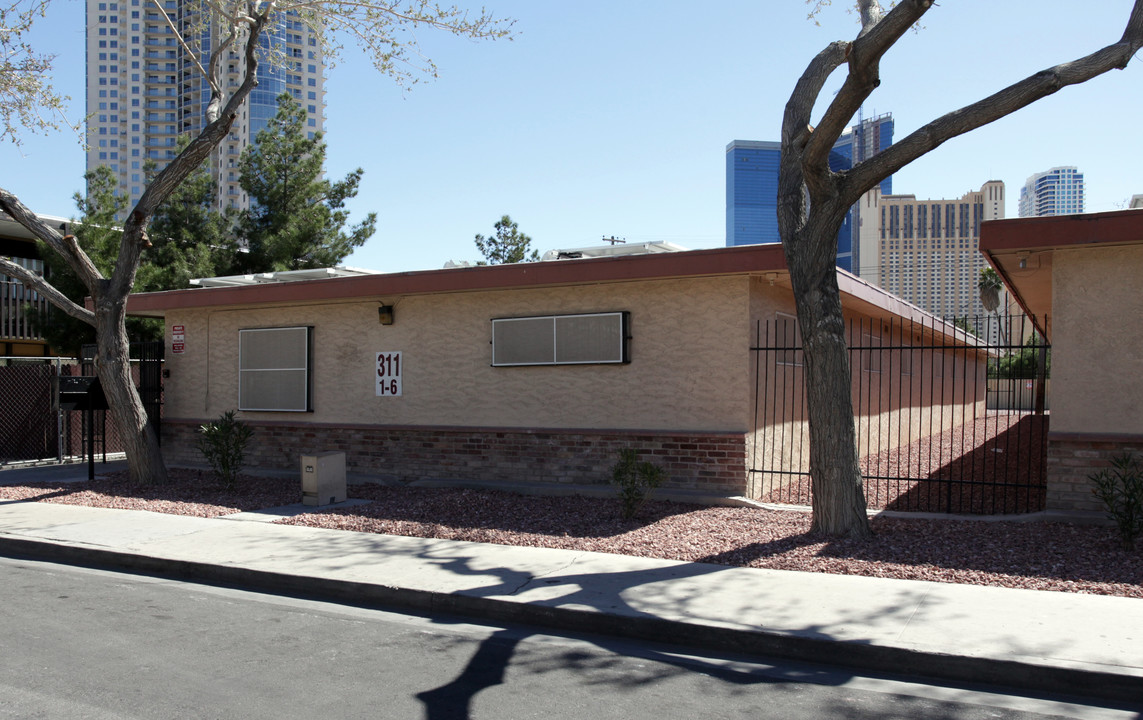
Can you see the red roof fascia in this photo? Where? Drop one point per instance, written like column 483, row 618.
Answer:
column 1061, row 231
column 693, row 263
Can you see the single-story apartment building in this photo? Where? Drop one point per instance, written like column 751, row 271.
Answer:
column 528, row 372
column 1078, row 275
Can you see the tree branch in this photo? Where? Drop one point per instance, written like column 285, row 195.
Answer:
column 182, row 42
column 796, row 129
column 878, row 34
column 169, row 178
column 69, row 250
column 866, row 174
column 36, row 282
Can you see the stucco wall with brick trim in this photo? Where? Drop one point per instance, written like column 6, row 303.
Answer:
column 1072, row 457
column 689, row 364
column 713, row 463
column 1097, row 348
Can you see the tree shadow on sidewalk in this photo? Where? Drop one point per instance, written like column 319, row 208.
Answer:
column 596, row 603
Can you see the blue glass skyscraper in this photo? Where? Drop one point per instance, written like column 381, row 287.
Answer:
column 752, row 186
column 752, row 192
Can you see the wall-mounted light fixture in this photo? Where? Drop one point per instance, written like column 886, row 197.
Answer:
column 1023, row 260
column 385, row 314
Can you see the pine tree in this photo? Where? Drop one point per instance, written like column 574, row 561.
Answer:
column 508, row 245
column 190, row 237
column 97, row 234
column 296, row 217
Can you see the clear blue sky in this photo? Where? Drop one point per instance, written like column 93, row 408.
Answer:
column 612, row 118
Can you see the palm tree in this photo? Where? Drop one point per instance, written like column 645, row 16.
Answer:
column 989, row 286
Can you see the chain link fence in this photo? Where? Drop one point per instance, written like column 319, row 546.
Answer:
column 33, row 427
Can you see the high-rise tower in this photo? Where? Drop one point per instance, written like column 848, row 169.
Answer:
column 144, row 90
column 927, row 251
column 752, row 186
column 1058, row 191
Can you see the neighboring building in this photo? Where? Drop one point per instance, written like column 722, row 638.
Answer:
column 1079, row 277
column 926, row 251
column 1136, row 202
column 1058, row 191
column 534, row 372
column 143, row 92
column 752, row 192
column 17, row 338
column 752, row 186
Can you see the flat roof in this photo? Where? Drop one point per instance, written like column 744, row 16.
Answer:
column 763, row 260
column 740, row 260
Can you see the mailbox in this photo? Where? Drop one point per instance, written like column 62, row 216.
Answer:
column 82, row 393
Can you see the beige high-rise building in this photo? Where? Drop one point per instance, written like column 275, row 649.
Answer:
column 144, row 90
column 927, row 251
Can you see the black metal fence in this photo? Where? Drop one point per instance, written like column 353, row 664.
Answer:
column 33, row 427
column 951, row 416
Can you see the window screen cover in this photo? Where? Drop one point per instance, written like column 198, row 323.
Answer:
column 274, row 369
column 591, row 338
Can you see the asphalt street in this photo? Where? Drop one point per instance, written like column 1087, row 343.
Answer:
column 82, row 643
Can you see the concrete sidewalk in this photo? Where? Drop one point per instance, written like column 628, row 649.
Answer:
column 1037, row 641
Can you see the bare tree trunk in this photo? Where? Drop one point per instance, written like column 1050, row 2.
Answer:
column 838, row 495
column 113, row 365
column 812, row 202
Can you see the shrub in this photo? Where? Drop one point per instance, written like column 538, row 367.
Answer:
column 635, row 481
column 223, row 444
column 1121, row 491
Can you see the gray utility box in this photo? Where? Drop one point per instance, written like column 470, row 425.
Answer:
column 323, row 478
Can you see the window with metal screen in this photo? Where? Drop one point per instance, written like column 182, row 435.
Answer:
column 595, row 338
column 274, row 369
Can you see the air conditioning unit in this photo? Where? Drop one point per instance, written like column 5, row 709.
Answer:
column 323, row 478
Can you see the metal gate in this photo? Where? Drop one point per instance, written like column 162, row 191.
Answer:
column 34, row 428
column 951, row 416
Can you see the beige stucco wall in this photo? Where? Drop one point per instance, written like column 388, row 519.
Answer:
column 1097, row 344
column 689, row 352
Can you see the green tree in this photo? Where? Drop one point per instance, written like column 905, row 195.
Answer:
column 97, row 234
column 813, row 200
column 187, row 236
column 191, row 238
column 296, row 217
column 384, row 31
column 1026, row 363
column 508, row 245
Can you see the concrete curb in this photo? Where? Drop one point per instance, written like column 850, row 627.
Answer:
column 1084, row 682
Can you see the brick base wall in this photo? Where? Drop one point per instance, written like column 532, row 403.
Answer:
column 713, row 463
column 1072, row 457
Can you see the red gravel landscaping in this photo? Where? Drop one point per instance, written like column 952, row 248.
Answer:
column 991, row 465
column 191, row 492
column 1034, row 555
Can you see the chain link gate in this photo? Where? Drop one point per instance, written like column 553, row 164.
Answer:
column 33, row 427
